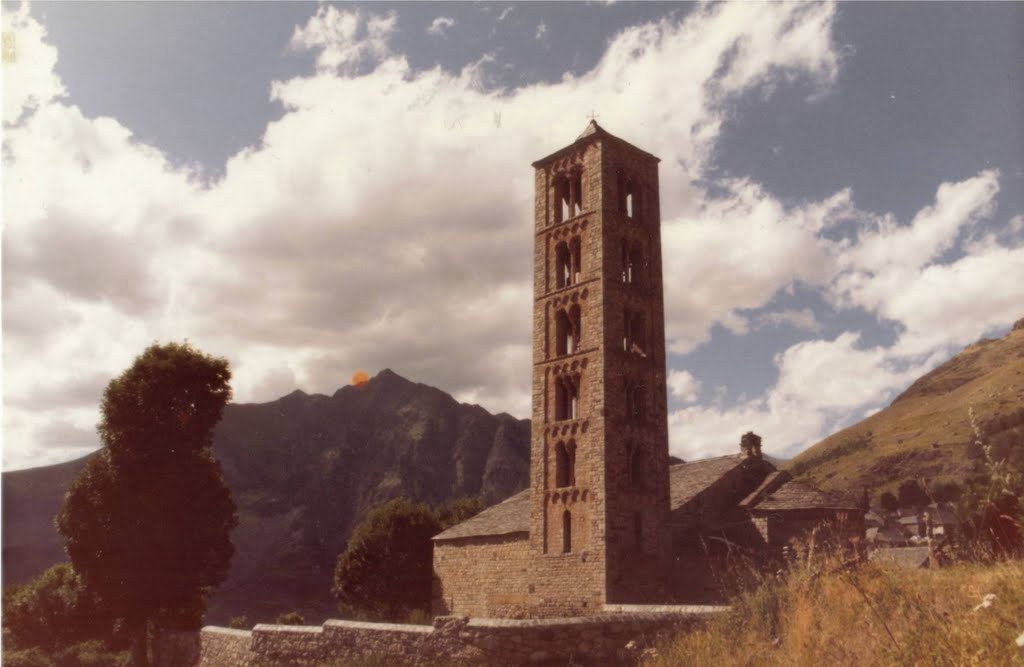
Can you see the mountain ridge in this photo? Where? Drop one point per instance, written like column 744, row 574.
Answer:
column 926, row 432
column 303, row 470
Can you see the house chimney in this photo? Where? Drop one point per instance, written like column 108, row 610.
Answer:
column 750, row 445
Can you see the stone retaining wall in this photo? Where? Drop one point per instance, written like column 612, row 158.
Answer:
column 599, row 639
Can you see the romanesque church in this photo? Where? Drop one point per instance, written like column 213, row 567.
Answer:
column 606, row 519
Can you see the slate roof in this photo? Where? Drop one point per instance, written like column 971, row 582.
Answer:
column 510, row 516
column 686, row 480
column 770, row 483
column 797, row 495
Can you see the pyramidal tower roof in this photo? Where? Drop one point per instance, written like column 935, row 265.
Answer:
column 592, row 132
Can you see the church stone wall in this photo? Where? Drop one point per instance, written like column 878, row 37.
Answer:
column 482, row 576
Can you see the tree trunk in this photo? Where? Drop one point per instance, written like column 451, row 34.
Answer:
column 140, row 643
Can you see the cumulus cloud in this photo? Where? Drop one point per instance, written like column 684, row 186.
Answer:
column 29, row 77
column 440, row 26
column 683, row 386
column 940, row 287
column 345, row 39
column 396, row 231
column 821, row 383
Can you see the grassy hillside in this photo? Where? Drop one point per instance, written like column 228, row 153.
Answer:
column 865, row 616
column 926, row 431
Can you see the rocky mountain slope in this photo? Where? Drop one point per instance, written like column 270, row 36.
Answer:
column 304, row 469
column 926, row 432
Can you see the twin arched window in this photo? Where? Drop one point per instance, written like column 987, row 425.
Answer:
column 568, row 263
column 567, row 331
column 568, row 195
column 567, row 398
column 632, row 263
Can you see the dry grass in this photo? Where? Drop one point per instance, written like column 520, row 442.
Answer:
column 866, row 615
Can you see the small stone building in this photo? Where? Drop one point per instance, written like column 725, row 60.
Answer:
column 605, row 520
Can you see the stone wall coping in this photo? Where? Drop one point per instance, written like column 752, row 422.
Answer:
column 289, row 629
column 689, row 609
column 390, row 627
column 217, row 630
column 641, row 613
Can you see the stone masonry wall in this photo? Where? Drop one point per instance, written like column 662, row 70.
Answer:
column 482, row 576
column 601, row 639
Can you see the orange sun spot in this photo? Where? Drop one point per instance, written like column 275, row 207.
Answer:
column 359, row 378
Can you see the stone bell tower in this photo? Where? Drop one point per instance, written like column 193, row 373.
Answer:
column 599, row 481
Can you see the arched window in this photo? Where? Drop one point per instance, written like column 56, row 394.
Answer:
column 567, row 331
column 567, row 398
column 636, row 265
column 568, row 263
column 566, row 532
column 563, row 265
column 629, row 202
column 565, row 464
column 634, row 338
column 635, row 467
column 576, row 254
column 569, row 195
column 636, row 404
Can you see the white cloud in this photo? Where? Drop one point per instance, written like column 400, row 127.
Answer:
column 29, row 80
column 821, row 384
column 802, row 319
column 400, row 237
column 683, row 386
column 440, row 26
column 736, row 252
column 346, row 39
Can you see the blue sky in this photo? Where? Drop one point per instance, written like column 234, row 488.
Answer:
column 313, row 189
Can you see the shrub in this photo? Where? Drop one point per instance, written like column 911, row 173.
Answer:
column 291, row 618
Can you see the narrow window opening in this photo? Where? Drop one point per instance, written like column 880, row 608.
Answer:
column 634, row 339
column 576, row 259
column 636, row 263
column 565, row 464
column 564, row 199
column 576, row 188
column 563, row 265
column 635, row 470
column 566, row 399
column 629, row 205
column 635, row 401
column 567, row 331
column 566, row 532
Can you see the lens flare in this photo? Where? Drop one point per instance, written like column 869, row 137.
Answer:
column 359, row 378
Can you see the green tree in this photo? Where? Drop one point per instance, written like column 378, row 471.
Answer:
column 52, row 612
column 147, row 523
column 912, row 494
column 457, row 511
column 386, row 570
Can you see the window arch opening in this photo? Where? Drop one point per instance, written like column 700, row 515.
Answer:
column 567, row 331
column 634, row 339
column 566, row 532
column 565, row 464
column 635, row 471
column 567, row 399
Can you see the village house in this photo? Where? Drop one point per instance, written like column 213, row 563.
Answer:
column 606, row 520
